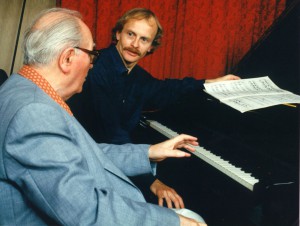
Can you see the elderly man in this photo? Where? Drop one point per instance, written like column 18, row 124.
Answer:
column 52, row 172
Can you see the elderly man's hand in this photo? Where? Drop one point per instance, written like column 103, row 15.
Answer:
column 223, row 78
column 164, row 192
column 169, row 148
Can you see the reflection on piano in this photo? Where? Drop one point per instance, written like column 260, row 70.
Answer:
column 263, row 143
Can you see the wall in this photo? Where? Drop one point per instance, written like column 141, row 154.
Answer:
column 13, row 23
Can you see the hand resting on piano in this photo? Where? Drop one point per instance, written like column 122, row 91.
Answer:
column 223, row 78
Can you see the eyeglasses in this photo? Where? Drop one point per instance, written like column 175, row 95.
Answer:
column 93, row 54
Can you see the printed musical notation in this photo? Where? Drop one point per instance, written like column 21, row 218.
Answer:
column 250, row 94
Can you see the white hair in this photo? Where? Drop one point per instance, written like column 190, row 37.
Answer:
column 42, row 44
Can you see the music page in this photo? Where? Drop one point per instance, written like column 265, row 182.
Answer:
column 249, row 94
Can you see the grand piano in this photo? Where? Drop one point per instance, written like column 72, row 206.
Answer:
column 262, row 143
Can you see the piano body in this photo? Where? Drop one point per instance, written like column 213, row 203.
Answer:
column 263, row 142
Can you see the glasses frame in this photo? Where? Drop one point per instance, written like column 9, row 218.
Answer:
column 93, row 54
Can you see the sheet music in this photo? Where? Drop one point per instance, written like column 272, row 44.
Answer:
column 249, row 94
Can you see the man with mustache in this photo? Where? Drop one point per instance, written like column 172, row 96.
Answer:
column 117, row 89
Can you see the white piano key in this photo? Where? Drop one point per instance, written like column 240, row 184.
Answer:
column 246, row 179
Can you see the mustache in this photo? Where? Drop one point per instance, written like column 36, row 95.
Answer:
column 133, row 50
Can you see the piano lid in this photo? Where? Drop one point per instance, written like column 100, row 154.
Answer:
column 276, row 54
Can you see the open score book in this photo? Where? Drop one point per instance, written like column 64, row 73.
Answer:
column 249, row 94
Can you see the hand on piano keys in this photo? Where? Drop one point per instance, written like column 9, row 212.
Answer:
column 170, row 148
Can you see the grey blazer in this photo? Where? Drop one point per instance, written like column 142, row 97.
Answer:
column 53, row 173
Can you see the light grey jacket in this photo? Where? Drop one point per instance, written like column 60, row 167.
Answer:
column 53, row 173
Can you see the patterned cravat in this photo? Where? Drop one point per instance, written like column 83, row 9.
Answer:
column 29, row 73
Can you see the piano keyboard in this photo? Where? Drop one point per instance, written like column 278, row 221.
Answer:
column 224, row 166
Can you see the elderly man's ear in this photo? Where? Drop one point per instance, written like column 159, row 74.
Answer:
column 66, row 59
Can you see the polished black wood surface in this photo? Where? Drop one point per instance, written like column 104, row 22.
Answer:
column 264, row 142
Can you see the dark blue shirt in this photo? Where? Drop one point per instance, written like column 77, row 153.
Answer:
column 113, row 100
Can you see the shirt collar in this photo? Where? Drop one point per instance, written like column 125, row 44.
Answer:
column 118, row 60
column 31, row 74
